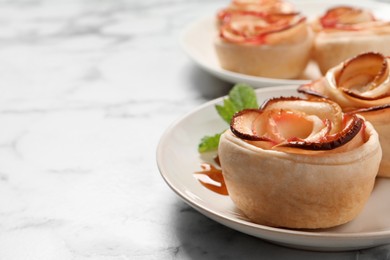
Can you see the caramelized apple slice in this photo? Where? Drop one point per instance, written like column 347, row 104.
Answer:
column 363, row 76
column 264, row 6
column 257, row 28
column 369, row 109
column 345, row 17
column 316, row 88
column 361, row 82
column 276, row 126
column 254, row 7
column 296, row 123
column 281, row 125
column 323, row 108
column 242, row 125
column 329, row 142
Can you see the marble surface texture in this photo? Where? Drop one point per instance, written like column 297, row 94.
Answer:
column 86, row 90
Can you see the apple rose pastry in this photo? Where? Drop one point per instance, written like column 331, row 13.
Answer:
column 344, row 32
column 267, row 45
column 361, row 85
column 299, row 163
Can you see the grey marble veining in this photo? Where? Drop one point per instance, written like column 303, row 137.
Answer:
column 87, row 89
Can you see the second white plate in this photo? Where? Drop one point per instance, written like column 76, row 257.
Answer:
column 197, row 42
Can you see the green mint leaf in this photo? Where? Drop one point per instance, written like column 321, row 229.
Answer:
column 209, row 143
column 227, row 110
column 243, row 96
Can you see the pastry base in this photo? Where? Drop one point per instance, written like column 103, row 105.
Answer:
column 278, row 61
column 330, row 51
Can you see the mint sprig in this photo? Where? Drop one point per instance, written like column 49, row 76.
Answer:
column 241, row 96
column 209, row 143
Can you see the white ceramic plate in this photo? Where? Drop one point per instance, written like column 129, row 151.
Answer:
column 197, row 42
column 178, row 160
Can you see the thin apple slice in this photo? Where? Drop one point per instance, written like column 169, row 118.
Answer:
column 316, row 88
column 320, row 130
column 329, row 142
column 323, row 108
column 256, row 28
column 345, row 17
column 242, row 125
column 274, row 126
column 364, row 76
column 291, row 123
column 267, row 6
column 370, row 109
column 254, row 7
column 283, row 125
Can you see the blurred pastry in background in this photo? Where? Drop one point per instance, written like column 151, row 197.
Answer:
column 345, row 31
column 265, row 45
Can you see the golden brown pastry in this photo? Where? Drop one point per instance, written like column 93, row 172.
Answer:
column 299, row 164
column 266, row 45
column 343, row 32
column 361, row 85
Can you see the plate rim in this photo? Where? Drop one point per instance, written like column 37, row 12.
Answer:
column 377, row 235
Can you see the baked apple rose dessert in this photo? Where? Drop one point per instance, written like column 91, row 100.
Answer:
column 343, row 32
column 299, row 163
column 361, row 85
column 275, row 45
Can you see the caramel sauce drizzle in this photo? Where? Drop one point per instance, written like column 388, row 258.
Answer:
column 211, row 177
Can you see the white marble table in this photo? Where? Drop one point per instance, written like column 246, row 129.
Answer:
column 86, row 90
